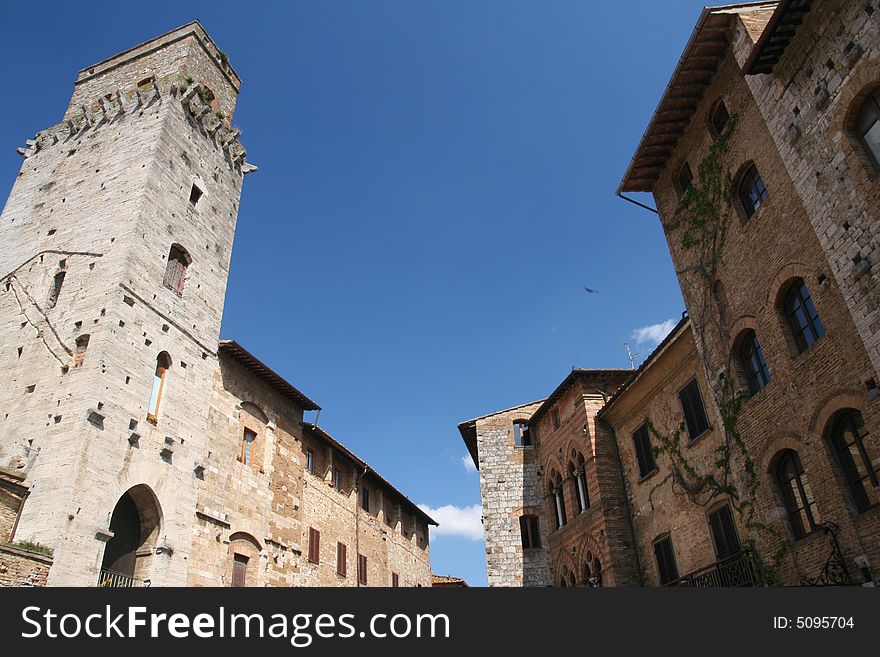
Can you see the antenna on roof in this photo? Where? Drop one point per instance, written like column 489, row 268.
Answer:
column 629, row 352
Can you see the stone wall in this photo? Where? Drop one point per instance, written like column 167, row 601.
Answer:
column 511, row 487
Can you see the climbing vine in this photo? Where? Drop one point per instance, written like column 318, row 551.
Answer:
column 702, row 219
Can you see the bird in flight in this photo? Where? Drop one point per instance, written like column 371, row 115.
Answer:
column 590, row 290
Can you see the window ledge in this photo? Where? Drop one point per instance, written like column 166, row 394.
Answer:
column 649, row 475
column 699, row 437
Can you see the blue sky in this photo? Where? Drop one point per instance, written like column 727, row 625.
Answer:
column 436, row 188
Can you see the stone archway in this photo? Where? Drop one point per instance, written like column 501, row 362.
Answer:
column 135, row 524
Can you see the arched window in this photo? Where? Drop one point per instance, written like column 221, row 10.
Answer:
column 867, row 126
column 567, row 578
column 752, row 192
column 753, row 363
column 578, row 473
column 163, row 362
column 796, row 494
column 860, row 466
column 719, row 118
column 596, row 579
column 684, row 179
column 175, row 269
column 803, row 320
column 558, row 499
column 79, row 356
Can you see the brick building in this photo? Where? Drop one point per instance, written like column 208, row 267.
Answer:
column 134, row 446
column 748, row 441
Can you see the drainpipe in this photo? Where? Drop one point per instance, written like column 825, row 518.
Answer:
column 357, row 523
column 635, row 202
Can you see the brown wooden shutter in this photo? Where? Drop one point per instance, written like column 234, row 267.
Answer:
column 395, row 580
column 239, row 570
column 724, row 533
column 314, row 545
column 340, row 559
column 362, row 569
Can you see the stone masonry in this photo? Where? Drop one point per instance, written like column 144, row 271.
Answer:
column 122, row 415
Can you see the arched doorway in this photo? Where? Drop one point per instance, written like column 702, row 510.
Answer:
column 135, row 524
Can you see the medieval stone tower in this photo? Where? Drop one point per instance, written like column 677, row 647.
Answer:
column 117, row 237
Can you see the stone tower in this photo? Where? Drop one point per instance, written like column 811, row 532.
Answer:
column 117, row 237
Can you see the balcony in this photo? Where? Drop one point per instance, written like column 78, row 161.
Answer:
column 112, row 580
column 733, row 571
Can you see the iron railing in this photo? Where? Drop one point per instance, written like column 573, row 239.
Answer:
column 733, row 571
column 112, row 580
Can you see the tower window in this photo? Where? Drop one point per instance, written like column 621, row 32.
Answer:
column 753, row 363
column 529, row 529
column 719, row 119
column 868, row 126
column 554, row 416
column 752, row 191
column 82, row 343
column 521, row 434
column 803, row 320
column 340, row 559
column 314, row 545
column 685, row 178
column 57, row 283
column 796, row 493
column 239, row 570
column 857, row 458
column 195, row 194
column 310, row 460
column 163, row 362
column 175, row 270
column 362, row 570
column 247, row 446
column 724, row 533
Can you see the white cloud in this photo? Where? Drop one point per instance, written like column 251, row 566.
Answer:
column 465, row 521
column 468, row 463
column 653, row 335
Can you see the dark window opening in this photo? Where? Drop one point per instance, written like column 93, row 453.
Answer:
column 685, row 178
column 644, row 451
column 195, row 194
column 720, row 117
column 796, row 494
column 554, row 416
column 521, row 434
column 724, row 533
column 860, row 466
column 57, row 283
column 365, row 500
column 247, row 446
column 395, row 580
column 753, row 363
column 868, row 126
column 752, row 191
column 530, row 531
column 665, row 557
column 694, row 412
column 803, row 320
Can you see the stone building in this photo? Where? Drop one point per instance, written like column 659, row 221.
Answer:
column 748, row 441
column 135, row 447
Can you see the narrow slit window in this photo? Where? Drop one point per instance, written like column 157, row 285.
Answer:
column 195, row 194
column 163, row 362
column 247, row 446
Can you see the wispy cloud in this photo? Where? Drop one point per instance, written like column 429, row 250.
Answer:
column 652, row 335
column 468, row 463
column 465, row 521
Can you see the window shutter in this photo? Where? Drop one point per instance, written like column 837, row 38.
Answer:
column 314, row 545
column 724, row 533
column 239, row 570
column 340, row 559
